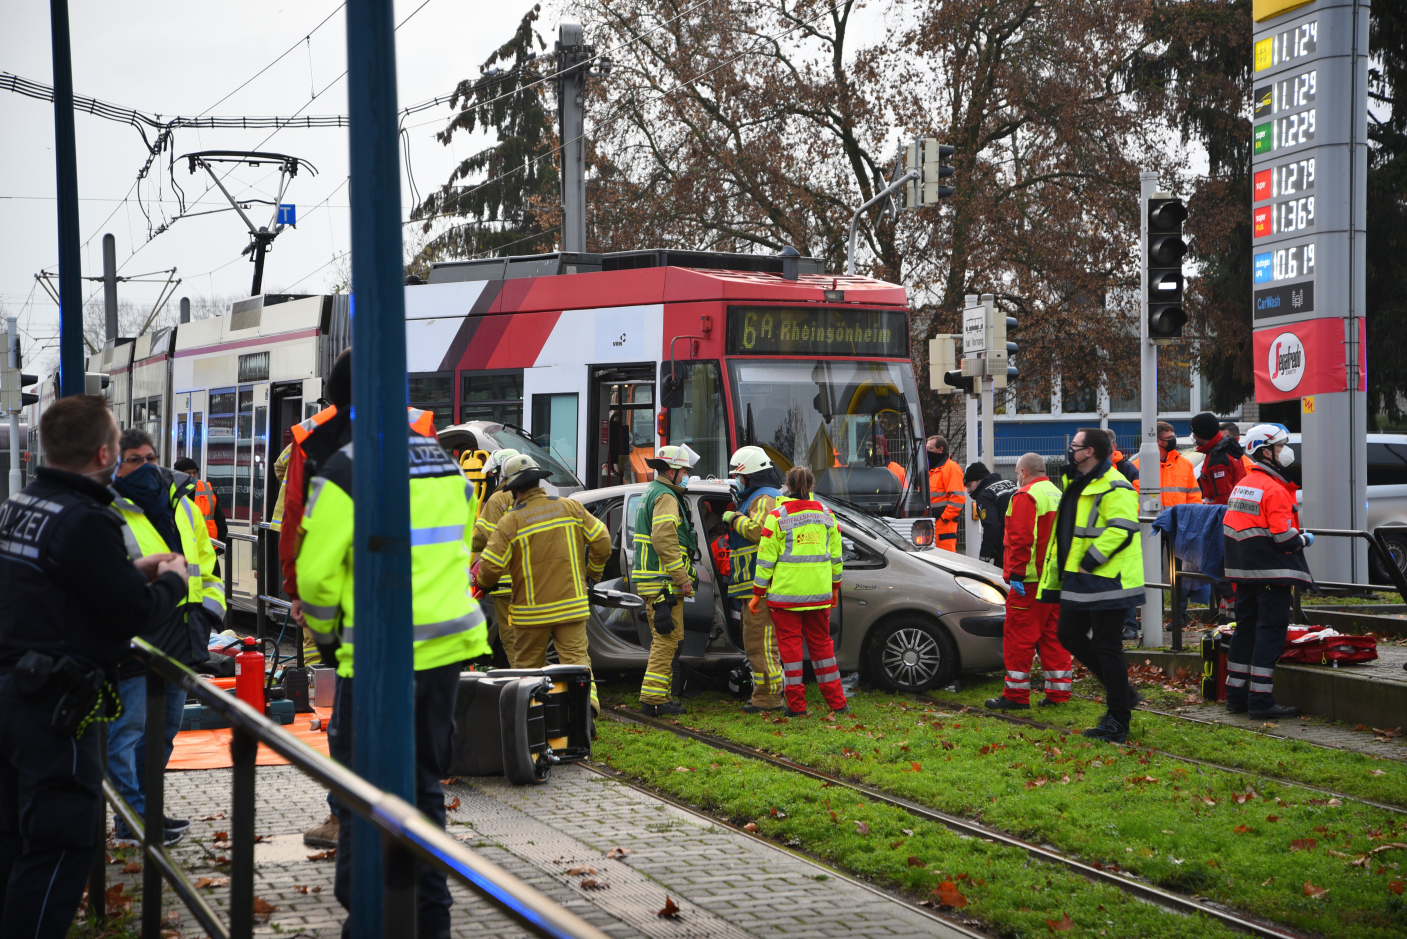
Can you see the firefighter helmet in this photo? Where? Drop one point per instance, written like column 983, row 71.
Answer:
column 673, row 457
column 522, row 471
column 494, row 464
column 749, row 460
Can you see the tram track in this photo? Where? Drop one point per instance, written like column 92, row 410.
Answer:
column 968, row 709
column 1168, row 900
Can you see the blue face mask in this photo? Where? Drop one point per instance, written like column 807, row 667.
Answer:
column 142, row 485
column 684, row 480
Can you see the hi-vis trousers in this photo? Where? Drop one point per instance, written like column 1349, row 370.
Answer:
column 1029, row 625
column 814, row 626
column 760, row 644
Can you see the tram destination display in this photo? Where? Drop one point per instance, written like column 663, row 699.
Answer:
column 827, row 331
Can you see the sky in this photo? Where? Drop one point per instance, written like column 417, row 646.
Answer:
column 173, row 59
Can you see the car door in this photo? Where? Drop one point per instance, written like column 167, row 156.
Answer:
column 700, row 610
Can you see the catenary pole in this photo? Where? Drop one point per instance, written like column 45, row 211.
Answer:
column 12, row 330
column 71, row 364
column 1150, row 474
column 572, row 65
column 383, row 724
column 109, row 288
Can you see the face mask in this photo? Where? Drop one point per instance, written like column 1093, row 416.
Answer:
column 684, row 480
column 1287, row 456
column 936, row 459
column 735, row 484
column 1070, row 456
column 106, row 476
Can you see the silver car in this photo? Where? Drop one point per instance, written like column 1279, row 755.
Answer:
column 909, row 619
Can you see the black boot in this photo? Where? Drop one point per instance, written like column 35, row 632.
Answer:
column 1274, row 712
column 661, row 710
column 1003, row 703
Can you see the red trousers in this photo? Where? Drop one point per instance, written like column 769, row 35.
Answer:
column 1029, row 624
column 814, row 626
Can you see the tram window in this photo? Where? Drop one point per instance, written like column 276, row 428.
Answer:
column 220, row 456
column 182, row 441
column 197, row 435
column 261, row 456
column 435, row 393
column 244, row 454
column 492, row 396
column 555, row 425
column 700, row 422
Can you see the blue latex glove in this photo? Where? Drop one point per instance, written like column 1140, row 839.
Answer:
column 1308, row 537
column 1018, row 588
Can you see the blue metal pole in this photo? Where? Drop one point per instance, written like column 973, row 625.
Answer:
column 383, row 737
column 71, row 363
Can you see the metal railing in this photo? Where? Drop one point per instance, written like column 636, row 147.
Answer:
column 407, row 836
column 1176, row 575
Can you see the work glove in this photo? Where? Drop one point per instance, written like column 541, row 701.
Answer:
column 1308, row 537
column 1018, row 588
column 728, row 517
column 663, row 622
column 835, row 597
column 755, row 605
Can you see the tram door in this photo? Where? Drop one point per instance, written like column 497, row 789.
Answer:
column 623, row 423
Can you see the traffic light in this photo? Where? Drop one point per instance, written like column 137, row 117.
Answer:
column 960, row 382
column 11, row 381
column 942, row 360
column 1001, row 368
column 926, row 155
column 1166, row 316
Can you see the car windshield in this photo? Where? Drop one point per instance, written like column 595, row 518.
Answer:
column 506, row 435
column 852, row 422
column 852, row 517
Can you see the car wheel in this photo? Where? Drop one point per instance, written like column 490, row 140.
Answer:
column 1397, row 549
column 910, row 653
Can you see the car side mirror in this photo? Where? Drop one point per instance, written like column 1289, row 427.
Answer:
column 922, row 533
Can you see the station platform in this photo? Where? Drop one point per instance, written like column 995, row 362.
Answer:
column 560, row 838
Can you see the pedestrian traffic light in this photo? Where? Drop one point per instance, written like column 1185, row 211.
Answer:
column 11, row 381
column 960, row 382
column 926, row 155
column 1165, row 249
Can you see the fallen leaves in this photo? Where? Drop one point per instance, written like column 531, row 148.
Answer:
column 206, row 883
column 1312, row 891
column 917, row 768
column 949, row 895
column 685, row 769
column 582, row 869
column 861, row 828
column 916, row 861
column 750, row 827
column 592, row 883
column 263, row 907
column 1272, row 818
column 211, row 818
column 1395, row 886
column 117, row 898
column 615, row 854
column 328, row 855
column 453, row 805
column 1142, row 780
column 1038, row 782
column 671, row 909
column 1063, row 924
column 221, row 836
column 1304, row 844
column 1244, row 830
column 132, row 867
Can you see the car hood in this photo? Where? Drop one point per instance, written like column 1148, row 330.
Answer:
column 955, row 563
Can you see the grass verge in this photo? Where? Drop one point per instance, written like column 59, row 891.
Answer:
column 997, row 885
column 1356, row 774
column 1281, row 853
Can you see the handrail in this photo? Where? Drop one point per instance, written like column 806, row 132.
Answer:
column 406, row 833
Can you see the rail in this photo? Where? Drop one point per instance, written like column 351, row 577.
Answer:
column 406, row 834
column 1176, row 575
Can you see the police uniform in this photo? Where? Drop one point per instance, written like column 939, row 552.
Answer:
column 69, row 598
column 540, row 543
column 759, row 632
column 484, row 527
column 665, row 550
column 447, row 628
column 798, row 572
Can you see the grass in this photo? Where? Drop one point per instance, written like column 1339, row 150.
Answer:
column 1356, row 774
column 998, row 885
column 1186, row 828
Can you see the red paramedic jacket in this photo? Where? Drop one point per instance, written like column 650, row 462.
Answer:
column 1026, row 535
column 1263, row 542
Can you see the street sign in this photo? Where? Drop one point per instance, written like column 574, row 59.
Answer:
column 288, row 214
column 974, row 330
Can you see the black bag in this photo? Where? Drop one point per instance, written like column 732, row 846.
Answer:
column 664, row 622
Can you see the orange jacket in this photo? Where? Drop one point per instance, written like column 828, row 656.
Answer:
column 205, row 501
column 946, row 496
column 1178, row 482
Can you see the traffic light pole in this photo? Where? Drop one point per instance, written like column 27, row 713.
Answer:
column 971, row 533
column 12, row 329
column 1150, row 473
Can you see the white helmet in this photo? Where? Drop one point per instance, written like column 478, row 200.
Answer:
column 673, row 457
column 521, row 470
column 749, row 460
column 1269, row 435
column 496, row 459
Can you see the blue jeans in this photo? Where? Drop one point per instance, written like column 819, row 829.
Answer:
column 126, row 738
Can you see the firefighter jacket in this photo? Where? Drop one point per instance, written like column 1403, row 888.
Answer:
column 989, row 505
column 281, row 472
column 799, row 557
column 549, row 547
column 332, row 434
column 67, row 587
column 1030, row 518
column 1222, row 469
column 204, row 498
column 946, row 495
column 1263, row 541
column 1094, row 560
column 666, row 547
column 447, row 625
column 1175, row 477
column 186, row 635
column 745, row 533
column 484, row 527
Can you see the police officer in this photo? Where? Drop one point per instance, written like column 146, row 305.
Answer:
column 760, row 489
column 1264, row 559
column 492, row 509
column 538, row 544
column 69, row 602
column 159, row 515
column 1094, row 569
column 990, row 497
column 448, row 629
column 662, row 572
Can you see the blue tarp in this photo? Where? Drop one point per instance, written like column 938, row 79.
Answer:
column 1197, row 540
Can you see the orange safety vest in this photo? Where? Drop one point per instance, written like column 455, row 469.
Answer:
column 421, row 422
column 205, row 501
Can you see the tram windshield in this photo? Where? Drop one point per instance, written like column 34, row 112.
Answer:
column 853, row 423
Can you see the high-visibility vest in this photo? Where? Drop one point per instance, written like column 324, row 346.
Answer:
column 799, row 557
column 421, row 422
column 1178, row 482
column 1104, row 567
column 205, row 500
column 203, row 588
column 447, row 624
column 1046, row 495
column 743, row 538
column 650, row 571
column 1262, row 537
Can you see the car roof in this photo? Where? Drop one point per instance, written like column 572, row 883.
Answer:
column 707, row 487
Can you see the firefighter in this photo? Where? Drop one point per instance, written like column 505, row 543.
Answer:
column 663, row 572
column 946, row 493
column 1264, row 559
column 447, row 629
column 1030, row 623
column 498, row 502
column 798, row 577
column 1094, row 570
column 1178, row 482
column 539, row 543
column 760, row 490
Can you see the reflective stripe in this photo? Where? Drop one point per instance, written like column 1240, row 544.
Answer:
column 129, row 541
column 1237, row 667
column 1054, row 674
column 1018, row 684
column 1287, row 535
column 314, row 490
column 1262, row 687
column 792, row 680
column 798, row 598
column 442, row 534
column 1069, row 596
column 823, row 663
column 1085, row 532
column 1124, row 523
column 834, row 678
column 190, row 511
column 1244, row 533
column 424, row 632
column 1262, row 672
column 1019, row 676
column 1097, row 556
column 791, row 666
column 192, row 570
column 1235, row 682
column 1182, row 488
column 213, row 605
column 321, row 612
column 1269, row 572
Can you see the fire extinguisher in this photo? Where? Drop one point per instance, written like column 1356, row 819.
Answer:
column 249, row 674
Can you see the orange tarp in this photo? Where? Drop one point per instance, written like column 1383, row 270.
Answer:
column 210, row 749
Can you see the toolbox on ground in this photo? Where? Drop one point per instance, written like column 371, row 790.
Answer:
column 202, row 717
column 517, row 723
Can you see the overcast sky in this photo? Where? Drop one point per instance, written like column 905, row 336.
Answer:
column 180, row 59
